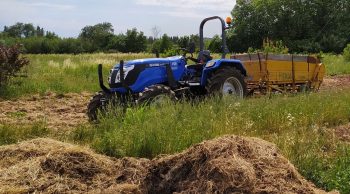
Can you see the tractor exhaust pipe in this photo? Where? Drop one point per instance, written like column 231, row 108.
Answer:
column 100, row 79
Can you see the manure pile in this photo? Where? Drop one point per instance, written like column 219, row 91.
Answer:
column 229, row 164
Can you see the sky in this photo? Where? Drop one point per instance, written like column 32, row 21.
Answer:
column 67, row 17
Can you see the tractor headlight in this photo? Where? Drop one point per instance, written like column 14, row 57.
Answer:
column 210, row 64
column 126, row 69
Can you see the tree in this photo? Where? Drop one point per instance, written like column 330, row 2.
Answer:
column 117, row 43
column 69, row 45
column 183, row 41
column 39, row 31
column 215, row 44
column 165, row 44
column 14, row 30
column 98, row 35
column 10, row 63
column 301, row 25
column 135, row 41
column 28, row 30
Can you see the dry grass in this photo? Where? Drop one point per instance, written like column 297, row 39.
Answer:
column 224, row 165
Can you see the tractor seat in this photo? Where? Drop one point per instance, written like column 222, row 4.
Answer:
column 204, row 57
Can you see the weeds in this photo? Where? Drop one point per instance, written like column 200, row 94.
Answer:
column 12, row 134
column 297, row 124
column 336, row 64
column 63, row 73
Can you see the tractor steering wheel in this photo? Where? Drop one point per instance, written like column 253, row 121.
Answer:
column 185, row 51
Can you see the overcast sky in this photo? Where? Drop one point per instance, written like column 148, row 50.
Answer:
column 67, row 17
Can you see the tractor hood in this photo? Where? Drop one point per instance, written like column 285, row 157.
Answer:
column 151, row 61
column 132, row 69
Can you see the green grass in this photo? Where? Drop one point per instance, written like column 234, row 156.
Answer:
column 297, row 124
column 336, row 64
column 63, row 73
column 10, row 133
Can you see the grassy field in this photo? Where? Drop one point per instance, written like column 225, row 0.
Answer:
column 336, row 64
column 298, row 124
column 63, row 73
column 77, row 73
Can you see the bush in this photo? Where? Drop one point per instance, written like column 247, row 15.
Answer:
column 276, row 47
column 347, row 53
column 10, row 63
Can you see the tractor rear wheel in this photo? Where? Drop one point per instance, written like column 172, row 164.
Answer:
column 98, row 104
column 227, row 81
column 156, row 94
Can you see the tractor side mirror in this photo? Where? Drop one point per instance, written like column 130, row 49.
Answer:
column 192, row 47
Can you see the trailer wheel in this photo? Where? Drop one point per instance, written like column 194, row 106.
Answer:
column 227, row 81
column 98, row 104
column 156, row 94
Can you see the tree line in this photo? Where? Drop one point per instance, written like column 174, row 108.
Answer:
column 307, row 26
column 301, row 26
column 96, row 38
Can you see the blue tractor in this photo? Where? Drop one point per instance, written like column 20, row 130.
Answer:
column 146, row 80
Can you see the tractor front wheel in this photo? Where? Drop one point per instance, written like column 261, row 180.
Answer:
column 156, row 94
column 97, row 105
column 227, row 81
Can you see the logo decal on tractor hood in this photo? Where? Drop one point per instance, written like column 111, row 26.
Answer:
column 127, row 69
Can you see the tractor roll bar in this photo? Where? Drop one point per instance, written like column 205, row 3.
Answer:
column 223, row 35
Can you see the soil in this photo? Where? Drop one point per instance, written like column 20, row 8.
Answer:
column 338, row 82
column 342, row 132
column 230, row 164
column 61, row 111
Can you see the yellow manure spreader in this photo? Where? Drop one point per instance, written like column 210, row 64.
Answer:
column 281, row 73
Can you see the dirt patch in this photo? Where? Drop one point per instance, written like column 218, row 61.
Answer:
column 342, row 132
column 229, row 164
column 58, row 111
column 338, row 82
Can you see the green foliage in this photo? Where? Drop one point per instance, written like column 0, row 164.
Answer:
column 335, row 64
column 276, row 47
column 12, row 134
column 26, row 30
column 10, row 63
column 63, row 73
column 215, row 44
column 155, row 48
column 165, row 43
column 346, row 53
column 304, row 26
column 135, row 41
column 99, row 34
column 96, row 38
column 183, row 42
column 269, row 46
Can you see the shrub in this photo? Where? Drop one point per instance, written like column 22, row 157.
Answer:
column 276, row 47
column 10, row 62
column 346, row 53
